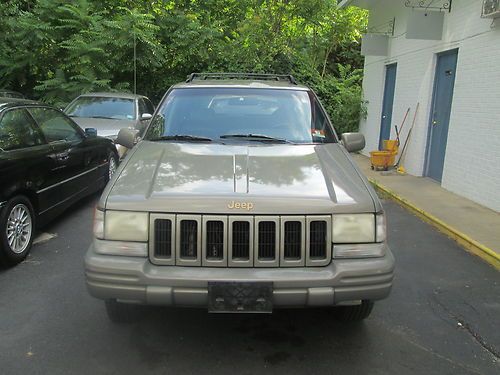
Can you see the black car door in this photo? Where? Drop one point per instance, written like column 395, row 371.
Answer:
column 26, row 160
column 77, row 158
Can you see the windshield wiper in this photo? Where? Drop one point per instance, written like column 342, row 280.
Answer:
column 106, row 117
column 182, row 137
column 256, row 137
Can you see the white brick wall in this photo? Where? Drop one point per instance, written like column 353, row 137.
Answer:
column 472, row 163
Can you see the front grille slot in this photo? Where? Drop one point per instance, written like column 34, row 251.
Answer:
column 317, row 239
column 267, row 240
column 189, row 239
column 163, row 238
column 293, row 240
column 241, row 240
column 215, row 239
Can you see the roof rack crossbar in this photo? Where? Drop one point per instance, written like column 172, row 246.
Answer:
column 258, row 76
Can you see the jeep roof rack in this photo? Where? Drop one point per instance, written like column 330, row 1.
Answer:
column 256, row 76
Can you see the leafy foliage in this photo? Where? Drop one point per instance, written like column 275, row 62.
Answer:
column 54, row 49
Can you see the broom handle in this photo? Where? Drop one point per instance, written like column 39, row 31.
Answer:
column 409, row 133
column 404, row 120
column 398, row 131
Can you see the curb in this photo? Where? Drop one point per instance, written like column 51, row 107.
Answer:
column 468, row 243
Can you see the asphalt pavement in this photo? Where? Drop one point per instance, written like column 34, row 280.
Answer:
column 443, row 317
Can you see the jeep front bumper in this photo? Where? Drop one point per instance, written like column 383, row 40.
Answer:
column 137, row 280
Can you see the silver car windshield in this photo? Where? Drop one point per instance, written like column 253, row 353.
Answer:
column 102, row 107
column 242, row 115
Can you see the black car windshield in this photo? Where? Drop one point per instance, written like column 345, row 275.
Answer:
column 242, row 114
column 102, row 107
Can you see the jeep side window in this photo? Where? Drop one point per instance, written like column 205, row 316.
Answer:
column 320, row 128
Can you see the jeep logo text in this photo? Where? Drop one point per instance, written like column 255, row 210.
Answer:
column 240, row 205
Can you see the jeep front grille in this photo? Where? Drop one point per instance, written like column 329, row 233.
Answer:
column 267, row 240
column 240, row 241
column 163, row 238
column 215, row 239
column 189, row 239
column 293, row 240
column 317, row 239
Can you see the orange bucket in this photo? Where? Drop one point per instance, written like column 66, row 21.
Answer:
column 382, row 159
column 391, row 145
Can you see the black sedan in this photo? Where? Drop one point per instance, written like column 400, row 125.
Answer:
column 47, row 162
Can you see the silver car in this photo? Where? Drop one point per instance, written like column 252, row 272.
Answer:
column 108, row 112
column 239, row 198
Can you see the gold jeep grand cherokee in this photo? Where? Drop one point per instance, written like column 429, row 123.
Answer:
column 239, row 198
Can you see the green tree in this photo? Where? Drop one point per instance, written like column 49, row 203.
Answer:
column 54, row 50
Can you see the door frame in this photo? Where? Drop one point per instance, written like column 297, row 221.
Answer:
column 384, row 98
column 431, row 109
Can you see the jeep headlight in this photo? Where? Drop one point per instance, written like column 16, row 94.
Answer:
column 121, row 233
column 359, row 235
column 381, row 235
column 126, row 226
column 98, row 223
column 353, row 228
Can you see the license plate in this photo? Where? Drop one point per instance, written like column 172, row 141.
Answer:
column 231, row 297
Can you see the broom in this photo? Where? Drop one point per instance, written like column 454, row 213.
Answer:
column 400, row 168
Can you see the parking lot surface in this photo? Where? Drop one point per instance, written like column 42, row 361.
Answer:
column 443, row 317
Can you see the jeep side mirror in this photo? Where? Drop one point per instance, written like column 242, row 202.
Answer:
column 91, row 132
column 146, row 116
column 353, row 142
column 127, row 137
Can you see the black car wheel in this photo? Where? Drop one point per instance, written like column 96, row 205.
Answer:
column 17, row 229
column 112, row 164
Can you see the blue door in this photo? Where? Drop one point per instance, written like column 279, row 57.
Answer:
column 389, row 87
column 444, row 82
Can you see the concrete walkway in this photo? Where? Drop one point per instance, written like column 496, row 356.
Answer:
column 451, row 213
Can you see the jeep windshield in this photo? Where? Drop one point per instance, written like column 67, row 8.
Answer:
column 241, row 115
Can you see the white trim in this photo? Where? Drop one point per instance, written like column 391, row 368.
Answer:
column 69, row 179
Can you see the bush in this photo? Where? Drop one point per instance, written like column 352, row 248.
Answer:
column 54, row 50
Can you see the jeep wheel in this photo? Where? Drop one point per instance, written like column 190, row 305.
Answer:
column 122, row 312
column 17, row 229
column 355, row 313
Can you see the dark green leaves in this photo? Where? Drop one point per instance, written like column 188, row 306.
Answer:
column 55, row 50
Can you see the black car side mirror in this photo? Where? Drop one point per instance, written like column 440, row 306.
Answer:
column 91, row 132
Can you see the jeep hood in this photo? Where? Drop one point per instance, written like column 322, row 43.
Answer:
column 207, row 178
